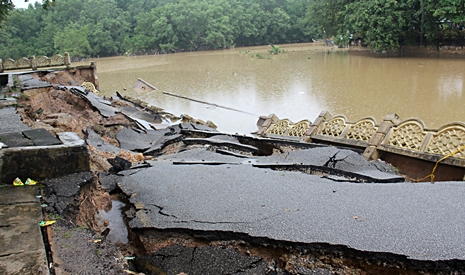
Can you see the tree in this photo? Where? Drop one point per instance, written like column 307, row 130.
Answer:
column 73, row 39
column 389, row 24
column 145, row 26
column 381, row 23
column 6, row 7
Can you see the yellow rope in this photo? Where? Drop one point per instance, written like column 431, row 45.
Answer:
column 436, row 165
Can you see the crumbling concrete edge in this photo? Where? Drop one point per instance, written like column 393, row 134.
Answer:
column 40, row 162
column 335, row 255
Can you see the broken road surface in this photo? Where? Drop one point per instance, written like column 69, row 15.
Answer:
column 421, row 221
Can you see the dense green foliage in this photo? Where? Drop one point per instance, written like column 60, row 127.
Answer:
column 389, row 24
column 6, row 6
column 113, row 27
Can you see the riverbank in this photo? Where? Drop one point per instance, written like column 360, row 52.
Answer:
column 413, row 51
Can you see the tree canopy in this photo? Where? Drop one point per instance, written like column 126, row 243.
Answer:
column 390, row 24
column 113, row 27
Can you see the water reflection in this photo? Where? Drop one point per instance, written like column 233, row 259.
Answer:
column 118, row 230
column 450, row 86
column 297, row 85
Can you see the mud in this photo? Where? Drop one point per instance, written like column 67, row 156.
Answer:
column 77, row 250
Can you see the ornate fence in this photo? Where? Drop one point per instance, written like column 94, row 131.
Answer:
column 409, row 138
column 34, row 63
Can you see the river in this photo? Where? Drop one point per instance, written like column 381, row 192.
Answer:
column 297, row 85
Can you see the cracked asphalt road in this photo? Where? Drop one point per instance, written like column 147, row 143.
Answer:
column 422, row 221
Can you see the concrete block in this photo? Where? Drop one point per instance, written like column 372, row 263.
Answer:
column 371, row 153
column 40, row 162
column 393, row 118
column 376, row 139
column 384, row 127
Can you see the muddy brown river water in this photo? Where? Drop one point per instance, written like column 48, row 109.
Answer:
column 297, row 85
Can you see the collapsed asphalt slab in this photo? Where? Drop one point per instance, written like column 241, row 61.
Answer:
column 421, row 221
column 11, row 121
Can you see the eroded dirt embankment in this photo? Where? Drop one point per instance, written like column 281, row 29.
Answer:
column 79, row 239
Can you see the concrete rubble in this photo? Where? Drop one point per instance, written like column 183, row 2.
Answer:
column 204, row 202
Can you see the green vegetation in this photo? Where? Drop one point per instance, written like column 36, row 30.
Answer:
column 92, row 28
column 54, row 216
column 261, row 56
column 7, row 6
column 69, row 233
column 390, row 24
column 274, row 49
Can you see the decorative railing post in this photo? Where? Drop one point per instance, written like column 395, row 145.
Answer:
column 93, row 65
column 314, row 126
column 33, row 63
column 371, row 153
column 67, row 59
column 264, row 122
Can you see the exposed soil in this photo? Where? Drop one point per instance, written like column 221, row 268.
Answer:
column 62, row 111
column 80, row 251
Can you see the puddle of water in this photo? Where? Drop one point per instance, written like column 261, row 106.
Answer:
column 118, row 230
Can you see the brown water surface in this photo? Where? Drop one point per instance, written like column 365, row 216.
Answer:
column 297, row 85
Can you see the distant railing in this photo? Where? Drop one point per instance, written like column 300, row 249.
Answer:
column 34, row 63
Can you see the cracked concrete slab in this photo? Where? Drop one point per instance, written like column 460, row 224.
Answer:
column 11, row 121
column 340, row 161
column 103, row 106
column 31, row 137
column 108, row 181
column 418, row 220
column 145, row 120
column 224, row 138
column 41, row 137
column 15, row 140
column 133, row 140
column 27, row 81
column 162, row 142
column 221, row 142
column 94, row 140
column 201, row 154
column 196, row 127
column 134, row 112
column 324, row 156
column 21, row 245
column 26, row 194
